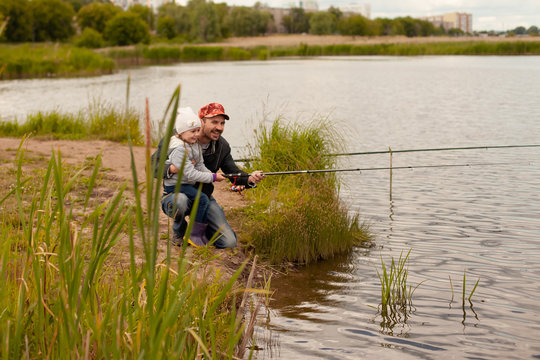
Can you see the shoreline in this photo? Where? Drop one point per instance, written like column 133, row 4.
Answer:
column 250, row 48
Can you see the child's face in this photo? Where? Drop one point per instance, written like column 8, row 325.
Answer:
column 190, row 136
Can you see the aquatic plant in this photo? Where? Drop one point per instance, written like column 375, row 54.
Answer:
column 67, row 291
column 396, row 294
column 298, row 218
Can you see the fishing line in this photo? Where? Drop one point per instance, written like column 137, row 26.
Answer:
column 419, row 150
column 236, row 175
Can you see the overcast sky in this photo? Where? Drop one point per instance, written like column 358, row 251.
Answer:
column 487, row 14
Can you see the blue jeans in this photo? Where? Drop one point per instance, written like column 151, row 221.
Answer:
column 191, row 192
column 217, row 222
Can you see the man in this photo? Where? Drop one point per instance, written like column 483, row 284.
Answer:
column 216, row 156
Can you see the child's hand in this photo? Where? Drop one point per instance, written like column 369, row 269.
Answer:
column 173, row 169
column 220, row 177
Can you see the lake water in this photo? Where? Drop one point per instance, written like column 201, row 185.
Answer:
column 483, row 221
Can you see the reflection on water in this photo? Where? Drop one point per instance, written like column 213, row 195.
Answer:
column 477, row 221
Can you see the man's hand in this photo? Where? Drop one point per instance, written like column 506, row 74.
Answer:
column 256, row 177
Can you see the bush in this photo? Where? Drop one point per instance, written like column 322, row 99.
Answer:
column 237, row 54
column 166, row 27
column 299, row 218
column 90, row 38
column 126, row 29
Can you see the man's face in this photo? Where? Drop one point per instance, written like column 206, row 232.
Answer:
column 212, row 127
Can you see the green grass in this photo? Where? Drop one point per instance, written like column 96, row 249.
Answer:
column 65, row 295
column 298, row 218
column 99, row 121
column 401, row 49
column 46, row 60
column 396, row 293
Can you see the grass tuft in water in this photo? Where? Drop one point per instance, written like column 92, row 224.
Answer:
column 299, row 218
column 396, row 294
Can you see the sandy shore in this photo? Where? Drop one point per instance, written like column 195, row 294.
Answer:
column 116, row 170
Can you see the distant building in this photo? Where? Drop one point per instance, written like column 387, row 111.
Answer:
column 308, row 5
column 150, row 3
column 457, row 20
column 355, row 8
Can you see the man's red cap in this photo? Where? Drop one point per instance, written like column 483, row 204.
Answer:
column 211, row 110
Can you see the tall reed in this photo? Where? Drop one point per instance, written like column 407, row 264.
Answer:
column 299, row 218
column 64, row 296
column 45, row 60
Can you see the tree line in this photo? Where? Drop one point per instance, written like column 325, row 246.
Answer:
column 94, row 23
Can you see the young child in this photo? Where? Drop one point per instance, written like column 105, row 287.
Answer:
column 185, row 147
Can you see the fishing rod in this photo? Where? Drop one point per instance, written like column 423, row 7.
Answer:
column 419, row 150
column 294, row 172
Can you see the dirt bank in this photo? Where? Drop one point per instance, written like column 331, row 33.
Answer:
column 116, row 170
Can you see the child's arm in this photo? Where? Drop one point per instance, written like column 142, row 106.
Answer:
column 191, row 174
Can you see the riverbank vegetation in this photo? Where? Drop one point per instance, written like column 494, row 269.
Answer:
column 199, row 21
column 46, row 60
column 68, row 293
column 51, row 60
column 100, row 121
column 83, row 277
column 48, row 37
column 298, row 218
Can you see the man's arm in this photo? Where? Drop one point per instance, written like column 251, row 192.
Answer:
column 228, row 166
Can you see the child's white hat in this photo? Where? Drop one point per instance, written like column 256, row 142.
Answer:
column 186, row 120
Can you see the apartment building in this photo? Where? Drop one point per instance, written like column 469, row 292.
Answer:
column 462, row 21
column 150, row 3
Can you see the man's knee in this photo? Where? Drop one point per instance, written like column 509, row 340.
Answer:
column 219, row 226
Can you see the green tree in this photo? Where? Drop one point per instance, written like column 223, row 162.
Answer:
column 455, row 32
column 520, row 30
column 322, row 23
column 533, row 30
column 245, row 21
column 296, row 22
column 355, row 25
column 407, row 26
column 77, row 4
column 204, row 20
column 125, row 29
column 96, row 15
column 180, row 15
column 145, row 13
column 52, row 20
column 18, row 20
column 166, row 28
column 336, row 12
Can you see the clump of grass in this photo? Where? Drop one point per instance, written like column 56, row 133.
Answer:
column 299, row 218
column 100, row 121
column 62, row 298
column 396, row 293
